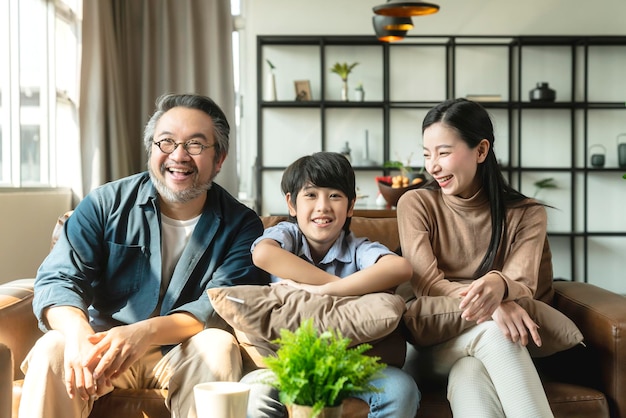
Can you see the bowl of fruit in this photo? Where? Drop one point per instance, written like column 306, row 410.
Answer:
column 392, row 187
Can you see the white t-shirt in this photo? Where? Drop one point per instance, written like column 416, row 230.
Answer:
column 175, row 236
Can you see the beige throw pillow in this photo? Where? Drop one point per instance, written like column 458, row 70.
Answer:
column 431, row 320
column 264, row 310
column 258, row 313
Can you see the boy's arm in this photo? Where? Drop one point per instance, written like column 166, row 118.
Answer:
column 269, row 256
column 388, row 272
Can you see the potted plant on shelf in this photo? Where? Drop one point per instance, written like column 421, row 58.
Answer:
column 314, row 372
column 343, row 70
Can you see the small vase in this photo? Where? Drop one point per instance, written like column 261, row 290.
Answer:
column 270, row 88
column 359, row 95
column 542, row 93
column 344, row 91
column 301, row 411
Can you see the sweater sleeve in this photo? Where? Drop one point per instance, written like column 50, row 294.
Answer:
column 523, row 250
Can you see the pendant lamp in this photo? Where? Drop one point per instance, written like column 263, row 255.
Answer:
column 391, row 29
column 399, row 8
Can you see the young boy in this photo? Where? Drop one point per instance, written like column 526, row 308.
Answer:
column 316, row 252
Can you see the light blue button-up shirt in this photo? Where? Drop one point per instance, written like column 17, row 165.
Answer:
column 346, row 256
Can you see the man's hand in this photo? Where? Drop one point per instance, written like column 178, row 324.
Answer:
column 115, row 350
column 79, row 379
column 515, row 323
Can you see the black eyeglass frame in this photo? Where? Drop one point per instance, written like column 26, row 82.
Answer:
column 184, row 144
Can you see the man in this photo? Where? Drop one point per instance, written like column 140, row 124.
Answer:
column 122, row 295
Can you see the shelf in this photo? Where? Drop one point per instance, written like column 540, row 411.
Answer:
column 404, row 80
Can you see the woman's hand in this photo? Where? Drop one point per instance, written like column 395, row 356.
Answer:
column 515, row 323
column 482, row 297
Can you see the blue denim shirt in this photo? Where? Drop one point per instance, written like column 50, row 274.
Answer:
column 346, row 256
column 107, row 261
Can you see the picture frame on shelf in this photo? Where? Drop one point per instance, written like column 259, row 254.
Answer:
column 303, row 90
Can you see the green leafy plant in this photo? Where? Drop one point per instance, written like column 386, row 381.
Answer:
column 547, row 183
column 343, row 69
column 405, row 170
column 624, row 176
column 319, row 369
column 272, row 66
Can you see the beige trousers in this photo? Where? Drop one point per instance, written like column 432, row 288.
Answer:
column 211, row 355
column 489, row 376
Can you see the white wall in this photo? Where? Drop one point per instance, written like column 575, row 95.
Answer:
column 467, row 17
column 25, row 239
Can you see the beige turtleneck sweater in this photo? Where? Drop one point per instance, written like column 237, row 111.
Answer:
column 446, row 237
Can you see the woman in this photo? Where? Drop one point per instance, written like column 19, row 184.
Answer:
column 474, row 237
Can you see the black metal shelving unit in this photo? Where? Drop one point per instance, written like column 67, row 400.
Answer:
column 515, row 108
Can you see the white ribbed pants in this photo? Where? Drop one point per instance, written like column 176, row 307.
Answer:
column 210, row 355
column 490, row 376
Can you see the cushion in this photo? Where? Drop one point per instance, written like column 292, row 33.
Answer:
column 557, row 331
column 432, row 320
column 258, row 313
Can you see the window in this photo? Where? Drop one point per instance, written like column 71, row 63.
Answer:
column 39, row 46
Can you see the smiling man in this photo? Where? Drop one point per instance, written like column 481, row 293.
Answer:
column 122, row 295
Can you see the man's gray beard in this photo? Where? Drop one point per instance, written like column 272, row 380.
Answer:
column 183, row 196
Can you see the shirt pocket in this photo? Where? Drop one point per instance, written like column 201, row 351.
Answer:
column 127, row 269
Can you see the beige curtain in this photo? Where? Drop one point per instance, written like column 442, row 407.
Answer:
column 134, row 51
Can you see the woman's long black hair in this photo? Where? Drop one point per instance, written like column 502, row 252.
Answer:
column 473, row 124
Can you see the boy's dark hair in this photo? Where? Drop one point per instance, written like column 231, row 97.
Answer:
column 322, row 169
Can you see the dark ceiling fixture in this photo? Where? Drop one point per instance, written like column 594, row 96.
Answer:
column 398, row 8
column 391, row 29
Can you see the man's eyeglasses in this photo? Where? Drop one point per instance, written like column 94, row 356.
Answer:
column 168, row 146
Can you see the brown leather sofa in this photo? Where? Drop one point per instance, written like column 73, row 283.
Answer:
column 585, row 382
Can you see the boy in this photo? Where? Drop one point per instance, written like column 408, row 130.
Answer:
column 316, row 252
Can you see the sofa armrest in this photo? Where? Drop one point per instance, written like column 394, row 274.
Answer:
column 18, row 325
column 6, row 381
column 601, row 317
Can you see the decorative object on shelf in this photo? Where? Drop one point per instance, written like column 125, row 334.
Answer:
column 319, row 370
column 597, row 160
column 547, row 183
column 542, row 93
column 391, row 29
column 401, row 8
column 303, row 90
column 343, row 70
column 270, row 87
column 346, row 151
column 366, row 154
column 405, row 169
column 359, row 93
column 393, row 187
column 380, row 200
column 621, row 151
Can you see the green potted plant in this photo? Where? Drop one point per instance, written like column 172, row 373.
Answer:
column 343, row 70
column 314, row 372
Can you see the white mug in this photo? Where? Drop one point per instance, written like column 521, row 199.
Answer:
column 221, row 399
